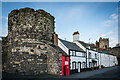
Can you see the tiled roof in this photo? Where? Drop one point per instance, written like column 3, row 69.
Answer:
column 70, row 45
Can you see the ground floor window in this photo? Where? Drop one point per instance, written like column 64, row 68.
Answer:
column 73, row 65
column 90, row 64
column 84, row 65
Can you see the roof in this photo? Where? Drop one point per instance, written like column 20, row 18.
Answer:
column 3, row 38
column 71, row 45
column 84, row 44
column 59, row 49
column 105, row 52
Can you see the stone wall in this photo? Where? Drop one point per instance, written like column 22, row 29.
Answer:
column 29, row 34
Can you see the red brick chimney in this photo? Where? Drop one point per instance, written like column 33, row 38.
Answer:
column 55, row 39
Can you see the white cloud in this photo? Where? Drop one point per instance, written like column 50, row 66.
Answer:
column 114, row 16
column 106, row 34
column 113, row 19
column 108, row 23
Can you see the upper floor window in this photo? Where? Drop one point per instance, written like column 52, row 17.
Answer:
column 73, row 53
column 70, row 52
column 95, row 55
column 83, row 54
column 89, row 54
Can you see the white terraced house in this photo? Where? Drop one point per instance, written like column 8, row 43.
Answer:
column 107, row 59
column 95, row 57
column 85, row 56
column 77, row 55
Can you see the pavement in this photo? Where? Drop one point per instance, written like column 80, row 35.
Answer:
column 113, row 72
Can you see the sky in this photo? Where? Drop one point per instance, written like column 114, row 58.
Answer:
column 91, row 19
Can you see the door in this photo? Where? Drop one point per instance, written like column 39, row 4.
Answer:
column 64, row 70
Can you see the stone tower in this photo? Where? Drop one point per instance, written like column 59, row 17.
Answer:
column 104, row 43
column 29, row 24
column 30, row 34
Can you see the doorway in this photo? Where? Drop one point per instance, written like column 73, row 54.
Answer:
column 64, row 70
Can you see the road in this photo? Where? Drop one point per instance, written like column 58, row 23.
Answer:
column 115, row 73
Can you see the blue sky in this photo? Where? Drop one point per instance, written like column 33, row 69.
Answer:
column 91, row 19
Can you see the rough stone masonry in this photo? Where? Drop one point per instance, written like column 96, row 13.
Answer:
column 27, row 45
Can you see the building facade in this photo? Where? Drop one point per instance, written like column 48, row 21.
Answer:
column 93, row 58
column 77, row 55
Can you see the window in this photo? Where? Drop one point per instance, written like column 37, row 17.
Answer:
column 73, row 53
column 95, row 55
column 84, row 65
column 90, row 64
column 78, row 54
column 89, row 54
column 70, row 52
column 105, row 46
column 45, row 27
column 73, row 65
column 32, row 50
column 83, row 54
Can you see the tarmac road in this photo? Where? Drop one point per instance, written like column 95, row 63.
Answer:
column 115, row 73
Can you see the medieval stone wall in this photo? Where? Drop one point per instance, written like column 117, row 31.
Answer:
column 29, row 35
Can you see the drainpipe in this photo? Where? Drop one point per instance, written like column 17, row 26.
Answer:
column 109, row 60
column 86, row 58
column 100, row 60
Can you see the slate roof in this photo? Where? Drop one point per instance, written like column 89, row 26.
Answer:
column 84, row 44
column 71, row 45
column 59, row 49
column 3, row 38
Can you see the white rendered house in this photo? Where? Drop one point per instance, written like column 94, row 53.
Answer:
column 77, row 55
column 95, row 58
column 83, row 55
